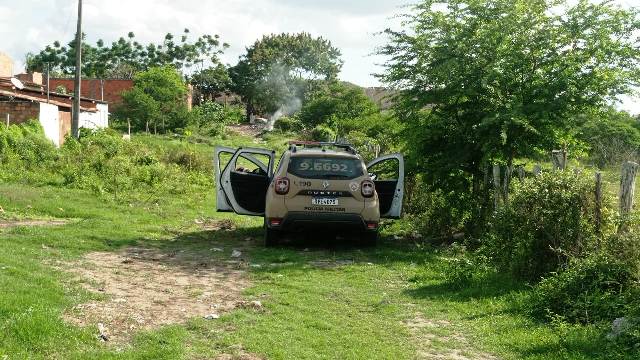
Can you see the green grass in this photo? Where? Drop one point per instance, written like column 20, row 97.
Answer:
column 358, row 310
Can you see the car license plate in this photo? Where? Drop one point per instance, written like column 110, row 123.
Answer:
column 324, row 201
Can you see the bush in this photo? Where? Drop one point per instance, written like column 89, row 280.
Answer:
column 25, row 146
column 104, row 163
column 210, row 118
column 611, row 137
column 323, row 133
column 287, row 124
column 590, row 290
column 550, row 218
column 157, row 100
column 336, row 102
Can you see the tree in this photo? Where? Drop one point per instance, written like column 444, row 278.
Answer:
column 279, row 67
column 610, row 136
column 156, row 99
column 126, row 57
column 484, row 81
column 212, row 81
column 335, row 104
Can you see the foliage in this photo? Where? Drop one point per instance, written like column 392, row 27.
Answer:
column 336, row 103
column 487, row 81
column 106, row 164
column 435, row 215
column 549, row 220
column 289, row 123
column 280, row 67
column 211, row 81
column 210, row 118
column 127, row 57
column 598, row 288
column 323, row 133
column 611, row 136
column 157, row 99
column 25, row 145
column 100, row 161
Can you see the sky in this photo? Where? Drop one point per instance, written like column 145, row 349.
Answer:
column 351, row 25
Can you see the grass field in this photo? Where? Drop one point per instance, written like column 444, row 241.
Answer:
column 320, row 298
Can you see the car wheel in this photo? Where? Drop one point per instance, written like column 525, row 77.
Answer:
column 369, row 238
column 271, row 236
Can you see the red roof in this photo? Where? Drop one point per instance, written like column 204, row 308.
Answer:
column 37, row 93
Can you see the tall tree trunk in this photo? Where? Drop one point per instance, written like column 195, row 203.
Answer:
column 249, row 110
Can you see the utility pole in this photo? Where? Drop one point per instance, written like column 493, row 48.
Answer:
column 48, row 76
column 75, row 121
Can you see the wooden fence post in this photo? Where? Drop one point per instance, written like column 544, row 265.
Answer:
column 506, row 182
column 559, row 159
column 598, row 209
column 627, row 187
column 496, row 187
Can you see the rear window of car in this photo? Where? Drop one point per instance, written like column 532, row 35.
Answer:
column 319, row 167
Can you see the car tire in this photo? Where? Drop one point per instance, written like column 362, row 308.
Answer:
column 271, row 236
column 369, row 238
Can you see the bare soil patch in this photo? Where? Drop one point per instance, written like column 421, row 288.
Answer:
column 12, row 223
column 148, row 288
column 251, row 130
column 423, row 329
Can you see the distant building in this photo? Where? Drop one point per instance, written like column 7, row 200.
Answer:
column 109, row 90
column 6, row 65
column 30, row 100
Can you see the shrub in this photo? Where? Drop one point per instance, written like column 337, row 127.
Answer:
column 210, row 118
column 25, row 146
column 336, row 102
column 590, row 290
column 156, row 101
column 323, row 133
column 611, row 137
column 550, row 218
column 287, row 123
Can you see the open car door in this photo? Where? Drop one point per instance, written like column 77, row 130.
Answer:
column 388, row 175
column 242, row 181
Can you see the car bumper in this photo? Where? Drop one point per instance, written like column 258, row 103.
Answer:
column 303, row 221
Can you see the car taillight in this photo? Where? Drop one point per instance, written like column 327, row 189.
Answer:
column 367, row 188
column 282, row 186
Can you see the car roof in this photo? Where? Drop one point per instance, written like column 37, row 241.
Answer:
column 322, row 152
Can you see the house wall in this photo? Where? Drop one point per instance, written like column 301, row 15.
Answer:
column 6, row 65
column 92, row 88
column 95, row 120
column 19, row 111
column 50, row 121
column 34, row 77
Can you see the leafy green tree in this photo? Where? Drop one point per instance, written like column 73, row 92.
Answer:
column 279, row 67
column 336, row 103
column 126, row 56
column 610, row 136
column 157, row 99
column 212, row 81
column 483, row 81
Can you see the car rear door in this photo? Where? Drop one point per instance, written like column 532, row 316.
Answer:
column 243, row 180
column 388, row 176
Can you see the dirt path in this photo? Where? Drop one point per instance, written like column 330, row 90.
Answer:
column 432, row 343
column 147, row 288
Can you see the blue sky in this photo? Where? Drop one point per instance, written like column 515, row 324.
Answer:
column 351, row 25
